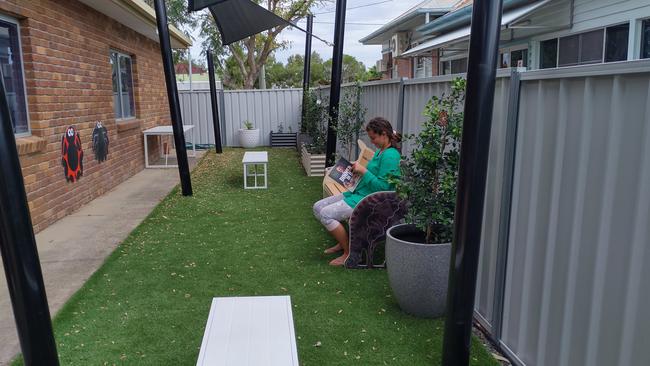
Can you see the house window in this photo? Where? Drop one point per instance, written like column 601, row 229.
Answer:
column 455, row 66
column 123, row 98
column 581, row 49
column 12, row 71
column 601, row 45
column 514, row 58
column 616, row 43
column 548, row 54
column 423, row 67
column 645, row 39
column 459, row 65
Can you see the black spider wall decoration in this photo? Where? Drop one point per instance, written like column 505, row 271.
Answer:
column 100, row 142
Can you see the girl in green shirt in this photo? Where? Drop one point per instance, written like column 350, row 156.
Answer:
column 374, row 178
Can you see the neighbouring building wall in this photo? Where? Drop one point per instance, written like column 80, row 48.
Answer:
column 68, row 75
column 404, row 67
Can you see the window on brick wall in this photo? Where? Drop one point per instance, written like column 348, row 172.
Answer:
column 12, row 71
column 123, row 96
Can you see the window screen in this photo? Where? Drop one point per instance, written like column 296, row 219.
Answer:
column 12, row 71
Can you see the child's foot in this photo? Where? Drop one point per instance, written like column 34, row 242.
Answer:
column 339, row 261
column 334, row 249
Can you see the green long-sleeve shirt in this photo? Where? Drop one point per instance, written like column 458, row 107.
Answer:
column 382, row 166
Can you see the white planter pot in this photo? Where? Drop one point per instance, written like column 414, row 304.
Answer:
column 249, row 138
column 417, row 273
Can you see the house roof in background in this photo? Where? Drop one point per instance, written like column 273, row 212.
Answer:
column 437, row 7
column 140, row 17
column 509, row 17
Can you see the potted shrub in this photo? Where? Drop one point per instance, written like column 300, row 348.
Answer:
column 249, row 136
column 313, row 135
column 418, row 252
column 350, row 123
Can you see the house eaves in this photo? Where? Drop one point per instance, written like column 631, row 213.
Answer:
column 140, row 17
column 397, row 24
column 462, row 17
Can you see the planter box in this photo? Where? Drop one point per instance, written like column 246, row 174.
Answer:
column 283, row 139
column 314, row 164
column 418, row 273
column 249, row 138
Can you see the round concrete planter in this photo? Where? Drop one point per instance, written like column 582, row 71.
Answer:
column 249, row 138
column 417, row 273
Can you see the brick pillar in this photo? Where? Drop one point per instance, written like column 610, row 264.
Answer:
column 404, row 67
column 435, row 62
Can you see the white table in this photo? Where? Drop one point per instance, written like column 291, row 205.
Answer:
column 253, row 159
column 167, row 133
column 252, row 330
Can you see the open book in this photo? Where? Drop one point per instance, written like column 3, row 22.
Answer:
column 342, row 173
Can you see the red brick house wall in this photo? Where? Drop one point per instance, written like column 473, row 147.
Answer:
column 65, row 48
column 404, row 67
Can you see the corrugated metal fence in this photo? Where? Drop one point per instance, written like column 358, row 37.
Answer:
column 266, row 109
column 564, row 253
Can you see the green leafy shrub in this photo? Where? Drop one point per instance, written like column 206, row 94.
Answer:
column 352, row 116
column 430, row 174
column 314, row 122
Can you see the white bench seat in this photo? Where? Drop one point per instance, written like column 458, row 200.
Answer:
column 244, row 331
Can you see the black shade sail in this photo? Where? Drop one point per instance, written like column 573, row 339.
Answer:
column 238, row 19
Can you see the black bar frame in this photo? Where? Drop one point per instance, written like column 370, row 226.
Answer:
column 306, row 74
column 19, row 252
column 335, row 85
column 214, row 104
column 475, row 147
column 172, row 96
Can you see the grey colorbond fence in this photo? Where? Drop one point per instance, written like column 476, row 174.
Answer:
column 564, row 253
column 267, row 109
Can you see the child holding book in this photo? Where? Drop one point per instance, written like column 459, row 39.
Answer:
column 373, row 178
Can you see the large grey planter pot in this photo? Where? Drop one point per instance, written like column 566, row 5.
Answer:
column 418, row 273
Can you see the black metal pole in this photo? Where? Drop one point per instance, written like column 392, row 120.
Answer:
column 215, row 106
column 335, row 86
column 172, row 95
column 19, row 253
column 307, row 67
column 475, row 146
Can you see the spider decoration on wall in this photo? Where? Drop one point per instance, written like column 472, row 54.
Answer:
column 72, row 155
column 100, row 142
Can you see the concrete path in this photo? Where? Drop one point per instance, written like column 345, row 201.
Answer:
column 73, row 248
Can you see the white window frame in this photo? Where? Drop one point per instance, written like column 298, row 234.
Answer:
column 119, row 85
column 517, row 47
column 639, row 42
column 602, row 58
column 451, row 58
column 22, row 69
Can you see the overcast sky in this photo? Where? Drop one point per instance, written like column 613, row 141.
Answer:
column 381, row 12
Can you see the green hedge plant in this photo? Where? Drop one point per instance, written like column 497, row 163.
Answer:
column 430, row 174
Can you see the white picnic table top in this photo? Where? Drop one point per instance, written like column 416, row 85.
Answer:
column 251, row 331
column 165, row 130
column 253, row 157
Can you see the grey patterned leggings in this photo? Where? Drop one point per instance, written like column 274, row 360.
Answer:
column 331, row 210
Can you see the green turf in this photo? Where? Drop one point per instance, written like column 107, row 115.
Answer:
column 149, row 302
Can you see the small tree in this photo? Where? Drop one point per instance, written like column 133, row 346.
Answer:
column 314, row 122
column 351, row 118
column 430, row 174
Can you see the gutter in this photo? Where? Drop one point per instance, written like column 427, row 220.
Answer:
column 396, row 22
column 141, row 8
column 462, row 17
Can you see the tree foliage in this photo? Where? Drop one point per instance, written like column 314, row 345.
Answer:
column 430, row 174
column 251, row 53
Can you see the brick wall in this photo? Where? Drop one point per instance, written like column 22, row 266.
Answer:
column 404, row 67
column 65, row 47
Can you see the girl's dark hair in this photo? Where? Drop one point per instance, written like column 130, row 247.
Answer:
column 381, row 126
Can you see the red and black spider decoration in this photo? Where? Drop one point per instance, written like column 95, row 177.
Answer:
column 72, row 155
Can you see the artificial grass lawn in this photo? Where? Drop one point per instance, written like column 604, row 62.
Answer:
column 148, row 304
